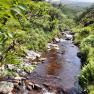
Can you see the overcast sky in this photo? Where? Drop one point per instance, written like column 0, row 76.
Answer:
column 75, row 0
column 83, row 0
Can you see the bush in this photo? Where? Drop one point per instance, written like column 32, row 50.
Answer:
column 88, row 41
column 81, row 34
column 26, row 25
column 87, row 73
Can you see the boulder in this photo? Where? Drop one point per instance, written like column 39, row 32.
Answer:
column 6, row 87
column 31, row 55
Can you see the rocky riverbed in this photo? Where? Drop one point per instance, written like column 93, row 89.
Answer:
column 64, row 79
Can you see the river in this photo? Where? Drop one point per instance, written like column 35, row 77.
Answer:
column 68, row 73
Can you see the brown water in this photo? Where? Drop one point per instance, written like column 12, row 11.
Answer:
column 67, row 72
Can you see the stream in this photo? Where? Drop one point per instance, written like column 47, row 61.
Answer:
column 57, row 74
column 66, row 76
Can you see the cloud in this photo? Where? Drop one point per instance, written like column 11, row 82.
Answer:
column 53, row 0
column 82, row 0
column 72, row 0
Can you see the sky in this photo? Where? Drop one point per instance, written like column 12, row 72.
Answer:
column 76, row 0
column 83, row 0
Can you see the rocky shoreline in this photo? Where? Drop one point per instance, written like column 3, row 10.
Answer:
column 28, row 80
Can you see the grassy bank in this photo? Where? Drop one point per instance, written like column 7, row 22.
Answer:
column 85, row 38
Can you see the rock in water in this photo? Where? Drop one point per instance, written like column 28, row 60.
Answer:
column 6, row 87
column 57, row 40
column 52, row 46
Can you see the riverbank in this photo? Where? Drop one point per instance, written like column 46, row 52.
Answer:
column 64, row 79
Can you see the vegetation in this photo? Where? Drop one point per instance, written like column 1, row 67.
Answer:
column 31, row 24
column 70, row 11
column 26, row 25
column 87, row 17
column 85, row 38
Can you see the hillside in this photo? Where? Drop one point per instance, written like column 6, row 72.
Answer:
column 29, row 28
column 87, row 17
column 71, row 11
column 70, row 8
column 85, row 38
column 76, row 4
column 28, row 25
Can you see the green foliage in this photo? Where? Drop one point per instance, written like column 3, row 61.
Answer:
column 85, row 37
column 88, row 42
column 9, row 73
column 87, row 17
column 26, row 25
column 82, row 33
column 11, row 58
column 87, row 73
column 70, row 10
column 91, row 89
column 68, row 23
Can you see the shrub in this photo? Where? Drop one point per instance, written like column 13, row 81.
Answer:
column 26, row 25
column 87, row 73
column 81, row 34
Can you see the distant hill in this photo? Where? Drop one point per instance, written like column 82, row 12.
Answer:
column 70, row 8
column 69, row 3
column 77, row 4
column 87, row 17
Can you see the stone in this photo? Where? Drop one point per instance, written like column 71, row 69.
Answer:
column 18, row 70
column 17, row 87
column 10, row 66
column 57, row 40
column 51, row 46
column 29, row 87
column 68, row 36
column 19, row 78
column 31, row 55
column 35, row 63
column 6, row 87
column 2, row 67
column 37, row 87
column 42, row 59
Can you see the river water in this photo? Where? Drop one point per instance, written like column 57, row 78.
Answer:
column 67, row 75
